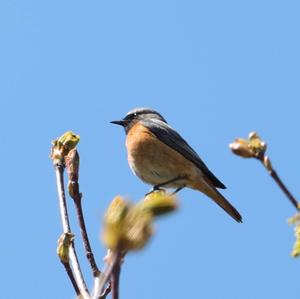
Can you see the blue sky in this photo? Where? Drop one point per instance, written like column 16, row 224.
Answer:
column 215, row 70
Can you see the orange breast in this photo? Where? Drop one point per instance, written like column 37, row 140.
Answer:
column 155, row 162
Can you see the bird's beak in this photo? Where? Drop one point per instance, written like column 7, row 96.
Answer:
column 119, row 122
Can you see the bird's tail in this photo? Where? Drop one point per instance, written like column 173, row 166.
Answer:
column 208, row 189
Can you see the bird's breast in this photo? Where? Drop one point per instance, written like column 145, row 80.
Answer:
column 152, row 160
column 140, row 143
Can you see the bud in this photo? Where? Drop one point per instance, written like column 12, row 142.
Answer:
column 296, row 248
column 138, row 229
column 63, row 246
column 116, row 211
column 73, row 189
column 114, row 221
column 72, row 164
column 241, row 148
column 69, row 140
column 62, row 146
column 126, row 226
column 158, row 203
column 129, row 227
column 257, row 146
column 254, row 147
column 294, row 220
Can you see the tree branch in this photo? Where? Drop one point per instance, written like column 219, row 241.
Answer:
column 72, row 278
column 115, row 276
column 267, row 164
column 72, row 165
column 104, row 278
column 85, row 238
column 254, row 147
column 106, row 291
column 59, row 171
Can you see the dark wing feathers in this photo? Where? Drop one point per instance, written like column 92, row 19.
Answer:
column 170, row 137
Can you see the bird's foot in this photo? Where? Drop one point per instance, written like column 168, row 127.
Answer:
column 158, row 187
column 155, row 189
column 177, row 190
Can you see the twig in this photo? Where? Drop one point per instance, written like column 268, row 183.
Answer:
column 85, row 238
column 72, row 165
column 104, row 277
column 106, row 291
column 59, row 171
column 101, row 281
column 255, row 147
column 72, row 278
column 115, row 277
column 267, row 164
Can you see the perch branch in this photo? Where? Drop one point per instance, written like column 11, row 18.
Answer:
column 115, row 276
column 104, row 278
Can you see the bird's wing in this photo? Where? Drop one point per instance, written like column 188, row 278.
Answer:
column 169, row 136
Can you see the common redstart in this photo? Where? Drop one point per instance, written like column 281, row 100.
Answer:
column 159, row 156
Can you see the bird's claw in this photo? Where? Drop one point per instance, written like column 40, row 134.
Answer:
column 155, row 189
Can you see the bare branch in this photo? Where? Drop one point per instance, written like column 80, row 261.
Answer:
column 255, row 147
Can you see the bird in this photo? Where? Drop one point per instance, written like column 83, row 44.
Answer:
column 159, row 156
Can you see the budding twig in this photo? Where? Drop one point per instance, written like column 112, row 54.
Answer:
column 72, row 165
column 59, row 170
column 59, row 150
column 254, row 147
column 63, row 252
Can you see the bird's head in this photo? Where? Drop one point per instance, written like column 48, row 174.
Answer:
column 137, row 114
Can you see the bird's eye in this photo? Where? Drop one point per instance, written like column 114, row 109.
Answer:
column 135, row 114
